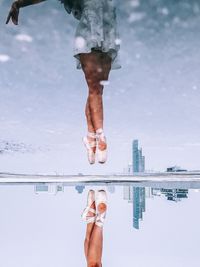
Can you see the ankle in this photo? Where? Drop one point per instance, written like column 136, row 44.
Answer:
column 91, row 135
column 100, row 134
column 99, row 131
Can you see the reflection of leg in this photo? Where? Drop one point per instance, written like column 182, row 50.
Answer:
column 89, row 215
column 96, row 239
column 95, row 247
column 89, row 230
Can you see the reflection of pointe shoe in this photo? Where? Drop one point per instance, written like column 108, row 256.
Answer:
column 101, row 198
column 101, row 154
column 90, row 145
column 86, row 213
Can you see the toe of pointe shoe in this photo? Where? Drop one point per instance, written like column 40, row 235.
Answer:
column 102, row 156
column 90, row 153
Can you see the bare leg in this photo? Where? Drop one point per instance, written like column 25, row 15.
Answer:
column 89, row 118
column 106, row 66
column 93, row 65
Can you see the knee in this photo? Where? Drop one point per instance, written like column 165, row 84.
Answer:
column 94, row 264
column 95, row 91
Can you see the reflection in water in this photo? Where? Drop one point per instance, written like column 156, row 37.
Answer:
column 49, row 188
column 94, row 215
column 137, row 196
column 171, row 194
column 79, row 188
column 48, row 227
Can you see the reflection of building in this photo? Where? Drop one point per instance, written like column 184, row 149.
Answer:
column 138, row 205
column 170, row 194
column 175, row 194
column 148, row 193
column 155, row 192
column 137, row 158
column 49, row 188
column 111, row 189
column 79, row 188
column 135, row 195
column 128, row 193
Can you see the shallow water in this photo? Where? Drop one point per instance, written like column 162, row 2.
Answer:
column 144, row 226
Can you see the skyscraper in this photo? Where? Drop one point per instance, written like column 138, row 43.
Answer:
column 137, row 158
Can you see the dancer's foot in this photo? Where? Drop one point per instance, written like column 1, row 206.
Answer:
column 89, row 213
column 101, row 146
column 90, row 144
column 101, row 206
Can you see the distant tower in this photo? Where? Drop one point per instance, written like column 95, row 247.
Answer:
column 137, row 158
column 143, row 163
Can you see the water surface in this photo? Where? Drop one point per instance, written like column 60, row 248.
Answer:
column 144, row 226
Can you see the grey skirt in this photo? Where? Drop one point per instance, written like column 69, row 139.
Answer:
column 97, row 29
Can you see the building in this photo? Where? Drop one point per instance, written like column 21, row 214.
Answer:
column 138, row 160
column 128, row 170
column 135, row 156
column 175, row 169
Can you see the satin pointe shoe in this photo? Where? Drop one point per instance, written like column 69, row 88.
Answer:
column 101, row 198
column 90, row 145
column 86, row 215
column 101, row 154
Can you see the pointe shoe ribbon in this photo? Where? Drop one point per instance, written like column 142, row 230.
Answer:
column 101, row 198
column 90, row 201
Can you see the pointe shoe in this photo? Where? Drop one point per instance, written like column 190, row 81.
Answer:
column 90, row 201
column 101, row 154
column 89, row 146
column 101, row 198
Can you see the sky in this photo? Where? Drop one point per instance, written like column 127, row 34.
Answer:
column 154, row 97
